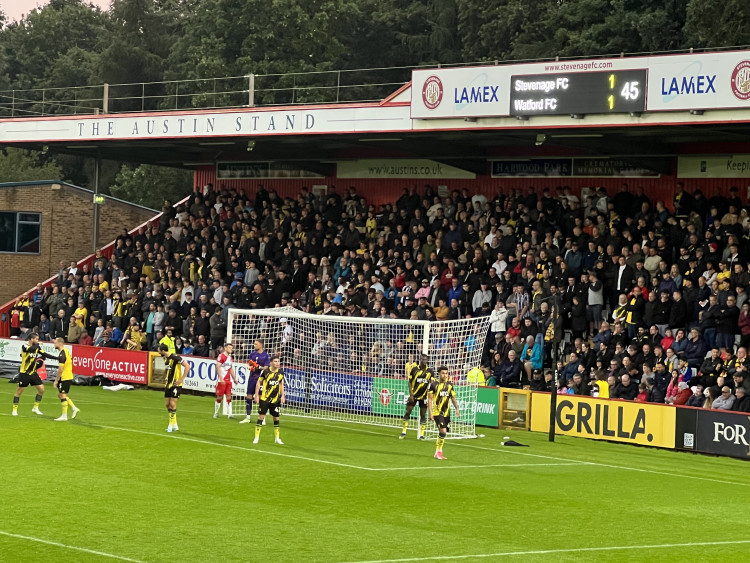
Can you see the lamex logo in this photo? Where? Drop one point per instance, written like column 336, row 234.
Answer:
column 432, row 92
column 385, row 396
column 741, row 81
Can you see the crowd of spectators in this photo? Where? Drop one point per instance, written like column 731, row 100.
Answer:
column 619, row 295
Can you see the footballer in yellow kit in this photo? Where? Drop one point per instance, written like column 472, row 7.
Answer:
column 439, row 401
column 64, row 380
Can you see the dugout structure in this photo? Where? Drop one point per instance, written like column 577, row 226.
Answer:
column 351, row 369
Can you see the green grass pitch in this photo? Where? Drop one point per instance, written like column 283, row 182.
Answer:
column 113, row 485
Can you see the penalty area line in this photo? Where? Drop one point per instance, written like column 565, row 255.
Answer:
column 173, row 436
column 477, row 466
column 556, row 551
column 71, row 547
column 597, row 464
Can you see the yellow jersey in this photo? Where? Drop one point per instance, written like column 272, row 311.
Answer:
column 419, row 382
column 65, row 368
column 270, row 385
column 442, row 393
column 174, row 370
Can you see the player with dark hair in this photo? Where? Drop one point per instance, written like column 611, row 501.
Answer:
column 420, row 379
column 177, row 370
column 31, row 360
column 269, row 394
column 258, row 360
column 64, row 379
column 440, row 397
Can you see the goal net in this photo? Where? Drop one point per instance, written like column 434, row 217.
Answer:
column 352, row 369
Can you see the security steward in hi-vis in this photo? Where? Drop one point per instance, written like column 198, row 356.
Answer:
column 31, row 359
column 177, row 370
column 64, row 380
column 420, row 379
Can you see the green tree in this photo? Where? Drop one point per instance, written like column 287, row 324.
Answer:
column 717, row 24
column 17, row 165
column 150, row 185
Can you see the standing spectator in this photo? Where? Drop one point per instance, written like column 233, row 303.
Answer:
column 218, row 330
column 726, row 324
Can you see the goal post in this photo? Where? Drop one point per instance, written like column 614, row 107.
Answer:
column 354, row 369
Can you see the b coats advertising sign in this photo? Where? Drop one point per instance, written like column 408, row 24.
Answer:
column 112, row 363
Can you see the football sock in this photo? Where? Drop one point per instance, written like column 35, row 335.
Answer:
column 258, row 427
column 172, row 417
column 15, row 403
column 70, row 403
column 276, row 428
column 229, row 407
column 217, row 406
column 422, row 429
column 37, row 400
column 64, row 403
column 440, row 441
column 248, row 407
column 406, row 425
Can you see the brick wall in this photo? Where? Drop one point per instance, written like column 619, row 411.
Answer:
column 66, row 230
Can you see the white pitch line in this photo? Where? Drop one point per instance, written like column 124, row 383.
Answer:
column 71, row 547
column 478, row 466
column 384, row 434
column 231, row 446
column 173, row 436
column 555, row 551
column 596, row 463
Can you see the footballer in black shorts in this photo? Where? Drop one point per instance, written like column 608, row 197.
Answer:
column 172, row 392
column 413, row 402
column 264, row 407
column 442, row 422
column 64, row 386
column 26, row 379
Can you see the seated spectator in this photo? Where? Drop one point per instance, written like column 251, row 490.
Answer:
column 642, row 396
column 742, row 400
column 725, row 400
column 531, row 356
column 626, row 389
column 696, row 399
column 509, row 372
column 656, row 394
column 683, row 394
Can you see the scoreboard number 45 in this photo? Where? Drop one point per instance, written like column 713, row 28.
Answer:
column 630, row 90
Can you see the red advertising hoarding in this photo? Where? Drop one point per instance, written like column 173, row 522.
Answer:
column 112, row 363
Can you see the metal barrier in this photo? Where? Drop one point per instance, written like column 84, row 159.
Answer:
column 250, row 90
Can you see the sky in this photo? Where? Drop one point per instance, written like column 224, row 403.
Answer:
column 13, row 9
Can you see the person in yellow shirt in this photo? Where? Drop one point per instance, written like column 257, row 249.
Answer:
column 64, row 379
column 81, row 314
column 134, row 338
column 601, row 385
column 476, row 376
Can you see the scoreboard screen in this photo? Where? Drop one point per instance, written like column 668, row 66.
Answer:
column 617, row 91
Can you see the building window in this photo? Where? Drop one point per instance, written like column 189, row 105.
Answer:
column 20, row 232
